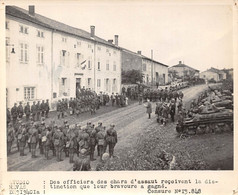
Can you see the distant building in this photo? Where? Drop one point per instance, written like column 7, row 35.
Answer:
column 229, row 73
column 153, row 71
column 51, row 59
column 181, row 70
column 214, row 74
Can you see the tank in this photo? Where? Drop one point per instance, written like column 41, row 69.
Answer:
column 209, row 119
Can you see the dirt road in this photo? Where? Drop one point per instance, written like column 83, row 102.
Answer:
column 131, row 123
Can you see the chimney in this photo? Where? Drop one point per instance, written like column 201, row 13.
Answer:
column 110, row 41
column 180, row 62
column 92, row 31
column 139, row 52
column 116, row 40
column 32, row 10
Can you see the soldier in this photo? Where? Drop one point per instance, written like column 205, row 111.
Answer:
column 38, row 111
column 58, row 143
column 20, row 110
column 100, row 139
column 42, row 107
column 47, row 108
column 71, row 106
column 22, row 138
column 113, row 98
column 59, row 109
column 27, row 111
column 34, row 111
column 180, row 105
column 8, row 116
column 93, row 143
column 48, row 142
column 111, row 138
column 148, row 108
column 66, row 139
column 74, row 105
column 63, row 108
column 14, row 113
column 175, row 95
column 10, row 138
column 82, row 163
column 72, row 142
column 172, row 109
column 33, row 140
column 181, row 95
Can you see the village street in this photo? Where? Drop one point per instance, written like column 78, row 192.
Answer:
column 132, row 124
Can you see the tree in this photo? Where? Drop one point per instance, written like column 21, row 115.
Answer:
column 131, row 76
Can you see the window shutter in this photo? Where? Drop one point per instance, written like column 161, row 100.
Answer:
column 68, row 86
column 68, row 59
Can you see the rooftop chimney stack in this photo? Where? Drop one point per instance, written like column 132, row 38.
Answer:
column 110, row 41
column 139, row 52
column 32, row 10
column 116, row 40
column 180, row 62
column 92, row 31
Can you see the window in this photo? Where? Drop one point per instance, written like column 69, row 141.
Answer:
column 114, row 66
column 89, row 46
column 99, row 65
column 23, row 52
column 114, row 81
column 7, row 25
column 144, row 67
column 114, row 52
column 78, row 43
column 29, row 93
column 64, row 89
column 40, row 54
column 63, row 57
column 99, row 48
column 89, row 63
column 107, row 50
column 107, row 65
column 40, row 34
column 98, row 82
column 23, row 29
column 64, row 39
column 78, row 55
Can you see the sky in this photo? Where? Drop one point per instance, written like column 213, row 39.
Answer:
column 200, row 35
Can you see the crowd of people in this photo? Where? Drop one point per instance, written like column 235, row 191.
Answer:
column 37, row 137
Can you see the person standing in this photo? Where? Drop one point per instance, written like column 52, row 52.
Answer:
column 111, row 139
column 34, row 111
column 27, row 111
column 38, row 111
column 42, row 107
column 14, row 113
column 100, row 139
column 58, row 143
column 20, row 110
column 33, row 140
column 172, row 109
column 59, row 109
column 22, row 138
column 148, row 108
column 8, row 116
column 10, row 138
column 82, row 163
column 92, row 135
column 47, row 108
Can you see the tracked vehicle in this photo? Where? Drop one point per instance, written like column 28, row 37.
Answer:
column 209, row 119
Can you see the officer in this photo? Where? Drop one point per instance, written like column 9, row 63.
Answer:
column 82, row 163
column 42, row 107
column 41, row 129
column 113, row 98
column 14, row 113
column 47, row 108
column 34, row 111
column 72, row 142
column 27, row 111
column 58, row 143
column 22, row 138
column 93, row 143
column 48, row 142
column 59, row 109
column 33, row 140
column 38, row 111
column 10, row 138
column 100, row 139
column 20, row 110
column 111, row 139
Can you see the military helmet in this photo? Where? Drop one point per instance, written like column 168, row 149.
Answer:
column 105, row 156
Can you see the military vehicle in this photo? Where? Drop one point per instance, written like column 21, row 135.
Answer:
column 209, row 119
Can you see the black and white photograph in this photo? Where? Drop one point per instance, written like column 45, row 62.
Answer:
column 119, row 86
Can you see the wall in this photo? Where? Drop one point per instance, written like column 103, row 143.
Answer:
column 31, row 73
column 131, row 61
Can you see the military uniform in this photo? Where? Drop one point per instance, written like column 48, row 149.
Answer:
column 100, row 140
column 10, row 138
column 111, row 138
column 20, row 110
column 14, row 113
column 42, row 107
column 34, row 111
column 82, row 163
column 27, row 111
column 58, row 143
column 47, row 108
column 38, row 111
column 33, row 140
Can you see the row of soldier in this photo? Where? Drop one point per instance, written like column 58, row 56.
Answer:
column 68, row 138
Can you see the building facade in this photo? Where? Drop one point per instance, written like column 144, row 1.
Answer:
column 213, row 74
column 153, row 71
column 181, row 71
column 51, row 59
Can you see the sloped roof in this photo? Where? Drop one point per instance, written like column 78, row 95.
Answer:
column 53, row 24
column 143, row 57
column 183, row 65
column 215, row 70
